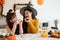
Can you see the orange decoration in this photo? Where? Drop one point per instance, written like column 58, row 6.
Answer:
column 11, row 37
column 2, row 2
column 40, row 2
column 44, row 34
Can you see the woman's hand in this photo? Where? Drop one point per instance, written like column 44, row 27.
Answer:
column 15, row 26
column 17, row 22
column 20, row 23
column 20, row 27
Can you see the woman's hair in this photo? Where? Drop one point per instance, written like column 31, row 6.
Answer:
column 9, row 17
column 25, row 24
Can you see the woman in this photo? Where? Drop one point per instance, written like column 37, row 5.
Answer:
column 30, row 23
column 14, row 25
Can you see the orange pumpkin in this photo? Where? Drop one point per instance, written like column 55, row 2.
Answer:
column 2, row 2
column 56, row 34
column 44, row 34
column 11, row 37
column 40, row 2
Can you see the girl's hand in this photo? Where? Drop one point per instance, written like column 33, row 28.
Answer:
column 17, row 22
column 20, row 23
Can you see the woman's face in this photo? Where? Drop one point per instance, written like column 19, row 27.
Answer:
column 28, row 13
column 13, row 20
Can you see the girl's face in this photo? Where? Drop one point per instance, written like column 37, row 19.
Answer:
column 28, row 13
column 13, row 20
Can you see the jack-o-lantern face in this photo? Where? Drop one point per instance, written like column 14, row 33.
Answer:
column 40, row 2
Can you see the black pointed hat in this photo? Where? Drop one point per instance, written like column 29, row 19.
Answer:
column 28, row 7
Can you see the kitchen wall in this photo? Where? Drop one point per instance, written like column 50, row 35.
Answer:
column 49, row 11
column 9, row 4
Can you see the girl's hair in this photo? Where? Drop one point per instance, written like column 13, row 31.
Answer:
column 9, row 17
column 25, row 24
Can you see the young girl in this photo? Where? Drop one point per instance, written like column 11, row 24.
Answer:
column 14, row 25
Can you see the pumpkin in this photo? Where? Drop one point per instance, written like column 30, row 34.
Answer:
column 2, row 2
column 59, row 33
column 44, row 34
column 11, row 37
column 56, row 35
column 40, row 2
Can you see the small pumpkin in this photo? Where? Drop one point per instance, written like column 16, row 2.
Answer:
column 56, row 35
column 11, row 37
column 44, row 34
column 59, row 33
column 2, row 2
column 40, row 2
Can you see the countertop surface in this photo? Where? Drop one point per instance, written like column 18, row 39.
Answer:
column 34, row 37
